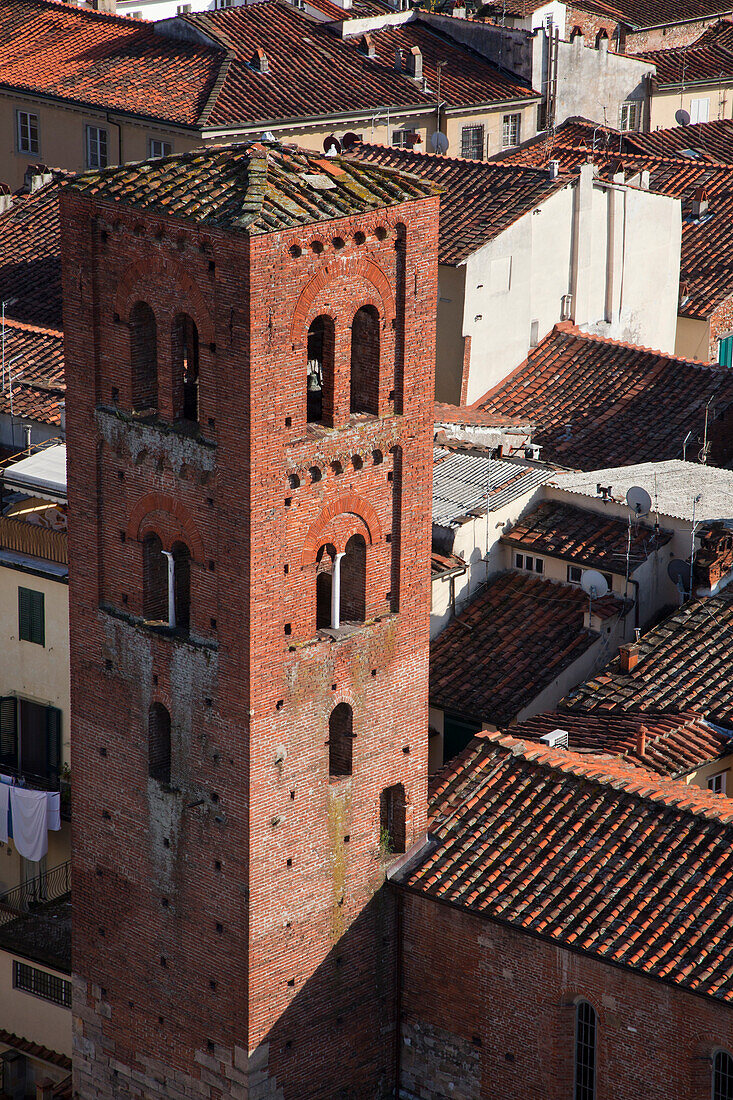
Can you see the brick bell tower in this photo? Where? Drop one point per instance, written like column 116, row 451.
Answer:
column 249, row 357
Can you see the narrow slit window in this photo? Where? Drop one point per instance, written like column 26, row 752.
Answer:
column 159, row 744
column 340, row 741
column 585, row 1051
column 392, row 819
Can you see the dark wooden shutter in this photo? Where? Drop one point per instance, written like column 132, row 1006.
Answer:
column 24, row 614
column 8, row 731
column 38, row 618
column 53, row 742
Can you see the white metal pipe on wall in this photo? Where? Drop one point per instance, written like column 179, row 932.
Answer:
column 171, row 588
column 336, row 592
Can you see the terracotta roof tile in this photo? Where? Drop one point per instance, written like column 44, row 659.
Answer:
column 710, row 58
column 480, row 199
column 668, row 744
column 464, row 414
column 108, row 61
column 588, row 852
column 35, row 383
column 706, row 263
column 684, row 665
column 508, row 644
column 30, row 256
column 35, row 1050
column 587, row 538
column 253, row 187
column 597, row 402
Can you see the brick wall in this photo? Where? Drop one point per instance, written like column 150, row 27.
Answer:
column 231, row 933
column 633, row 42
column 493, row 995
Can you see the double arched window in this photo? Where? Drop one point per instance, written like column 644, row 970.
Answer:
column 585, row 1051
column 159, row 744
column 341, row 584
column 722, row 1076
column 321, row 366
column 166, row 583
column 144, row 357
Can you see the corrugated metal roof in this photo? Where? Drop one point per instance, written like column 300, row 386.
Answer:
column 462, row 480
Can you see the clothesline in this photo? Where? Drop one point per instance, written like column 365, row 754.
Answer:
column 26, row 816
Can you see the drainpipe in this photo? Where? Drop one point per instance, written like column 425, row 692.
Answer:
column 171, row 589
column 336, row 592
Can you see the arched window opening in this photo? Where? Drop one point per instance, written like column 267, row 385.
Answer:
column 159, row 744
column 392, row 819
column 182, row 585
column 365, row 361
column 324, row 578
column 340, row 741
column 353, row 580
column 155, row 580
column 576, row 32
column 186, row 367
column 722, row 1076
column 319, row 377
column 585, row 1051
column 144, row 357
column 602, row 36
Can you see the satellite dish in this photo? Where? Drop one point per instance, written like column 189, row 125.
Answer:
column 331, row 146
column 679, row 572
column 594, row 584
column 682, row 117
column 439, row 142
column 268, row 136
column 350, row 139
column 639, row 501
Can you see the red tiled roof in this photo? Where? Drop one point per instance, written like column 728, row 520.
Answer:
column 655, row 13
column 684, row 665
column 479, row 199
column 89, row 57
column 35, row 1050
column 588, row 538
column 587, row 852
column 30, row 256
column 668, row 744
column 445, row 563
column 710, row 58
column 463, row 414
column 312, row 71
column 514, row 638
column 35, row 381
column 706, row 264
column 597, row 402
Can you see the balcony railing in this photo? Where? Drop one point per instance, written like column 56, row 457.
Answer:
column 37, row 542
column 49, row 886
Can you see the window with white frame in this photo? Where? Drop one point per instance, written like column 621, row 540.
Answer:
column 158, row 148
column 529, row 563
column 699, row 110
column 183, row 9
column 403, row 139
column 96, row 141
column 630, row 116
column 472, row 142
column 716, row 783
column 511, row 129
column 27, row 137
column 575, row 574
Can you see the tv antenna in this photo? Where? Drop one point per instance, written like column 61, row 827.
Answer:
column 595, row 586
column 680, row 573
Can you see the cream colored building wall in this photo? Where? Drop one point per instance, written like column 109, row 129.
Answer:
column 700, row 777
column 665, row 104
column 693, row 339
column 493, row 121
column 32, row 1017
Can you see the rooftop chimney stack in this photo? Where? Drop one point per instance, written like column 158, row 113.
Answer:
column 399, row 61
column 641, row 741
column 366, row 46
column 554, row 169
column 414, row 63
column 259, row 61
column 699, row 203
column 629, row 657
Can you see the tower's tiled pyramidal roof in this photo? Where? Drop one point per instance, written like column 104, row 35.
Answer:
column 260, row 187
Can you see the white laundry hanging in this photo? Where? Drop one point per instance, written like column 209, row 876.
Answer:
column 30, row 822
column 4, row 807
column 54, row 811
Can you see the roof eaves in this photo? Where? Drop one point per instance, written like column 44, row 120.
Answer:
column 216, row 87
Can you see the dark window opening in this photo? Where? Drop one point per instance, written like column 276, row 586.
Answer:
column 353, row 581
column 365, row 361
column 30, row 741
column 182, row 585
column 186, row 367
column 144, row 357
column 585, row 1051
column 340, row 741
column 319, row 371
column 155, row 580
column 324, row 575
column 159, row 744
column 722, row 1076
column 49, row 987
column 392, row 819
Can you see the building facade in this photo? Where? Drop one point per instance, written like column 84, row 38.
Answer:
column 249, row 648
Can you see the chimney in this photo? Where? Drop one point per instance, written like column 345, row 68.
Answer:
column 628, row 657
column 553, row 168
column 259, row 61
column 36, row 175
column 109, row 6
column 641, row 741
column 6, row 199
column 399, row 61
column 62, row 418
column 699, row 203
column 366, row 46
column 414, row 63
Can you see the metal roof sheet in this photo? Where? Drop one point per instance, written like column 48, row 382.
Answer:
column 462, row 480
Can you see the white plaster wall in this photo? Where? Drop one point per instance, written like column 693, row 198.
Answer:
column 32, row 1017
column 594, row 83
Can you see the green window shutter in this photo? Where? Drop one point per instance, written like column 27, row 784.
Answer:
column 725, row 351
column 8, row 731
column 53, row 742
column 31, row 616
